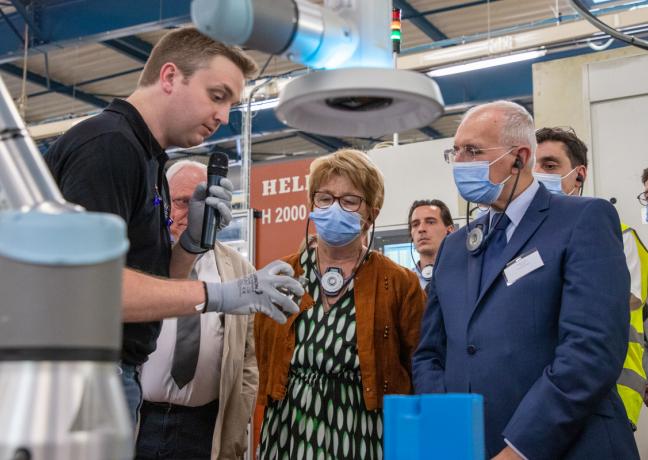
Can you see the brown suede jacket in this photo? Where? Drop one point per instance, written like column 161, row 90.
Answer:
column 389, row 306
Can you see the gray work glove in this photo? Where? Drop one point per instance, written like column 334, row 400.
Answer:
column 220, row 198
column 257, row 292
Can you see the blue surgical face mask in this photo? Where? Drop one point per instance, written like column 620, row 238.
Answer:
column 473, row 181
column 336, row 226
column 553, row 182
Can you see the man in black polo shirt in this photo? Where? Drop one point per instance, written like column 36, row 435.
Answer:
column 114, row 163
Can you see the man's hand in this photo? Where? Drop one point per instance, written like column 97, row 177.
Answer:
column 507, row 454
column 220, row 198
column 257, row 292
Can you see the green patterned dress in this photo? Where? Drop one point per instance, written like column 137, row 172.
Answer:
column 323, row 415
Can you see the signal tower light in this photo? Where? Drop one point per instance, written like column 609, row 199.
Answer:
column 396, row 30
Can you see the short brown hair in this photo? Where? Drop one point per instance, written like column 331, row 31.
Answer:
column 190, row 50
column 446, row 217
column 575, row 148
column 355, row 166
column 644, row 176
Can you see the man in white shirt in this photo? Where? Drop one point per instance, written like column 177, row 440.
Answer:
column 200, row 384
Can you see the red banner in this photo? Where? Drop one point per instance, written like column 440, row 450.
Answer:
column 278, row 192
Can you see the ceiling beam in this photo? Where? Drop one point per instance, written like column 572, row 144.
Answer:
column 132, row 47
column 93, row 80
column 419, row 21
column 65, row 22
column 429, row 131
column 27, row 17
column 273, row 139
column 330, row 144
column 55, row 86
column 517, row 38
column 9, row 26
column 446, row 9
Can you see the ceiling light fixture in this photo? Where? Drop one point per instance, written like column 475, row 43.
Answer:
column 486, row 63
column 357, row 92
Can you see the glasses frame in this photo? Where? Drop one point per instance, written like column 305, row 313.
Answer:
column 339, row 200
column 642, row 198
column 450, row 155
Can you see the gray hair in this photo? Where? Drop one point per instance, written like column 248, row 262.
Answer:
column 518, row 129
column 178, row 165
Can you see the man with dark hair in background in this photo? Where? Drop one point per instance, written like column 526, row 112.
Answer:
column 563, row 155
column 561, row 165
column 114, row 162
column 429, row 221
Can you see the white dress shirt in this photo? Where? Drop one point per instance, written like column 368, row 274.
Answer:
column 157, row 383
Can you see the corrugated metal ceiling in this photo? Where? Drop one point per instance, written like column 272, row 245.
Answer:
column 74, row 65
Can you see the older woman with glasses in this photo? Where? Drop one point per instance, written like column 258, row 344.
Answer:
column 323, row 374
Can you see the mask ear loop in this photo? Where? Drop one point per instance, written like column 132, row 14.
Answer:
column 485, row 241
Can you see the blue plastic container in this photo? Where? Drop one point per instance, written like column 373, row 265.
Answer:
column 434, row 427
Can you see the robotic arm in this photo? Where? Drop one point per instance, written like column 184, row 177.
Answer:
column 359, row 93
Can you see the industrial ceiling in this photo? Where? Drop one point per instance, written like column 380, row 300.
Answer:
column 82, row 53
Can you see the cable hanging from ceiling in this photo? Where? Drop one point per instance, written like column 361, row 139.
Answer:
column 611, row 31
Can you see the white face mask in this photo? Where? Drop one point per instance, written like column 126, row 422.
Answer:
column 644, row 215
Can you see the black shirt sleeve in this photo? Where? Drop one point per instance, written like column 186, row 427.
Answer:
column 104, row 175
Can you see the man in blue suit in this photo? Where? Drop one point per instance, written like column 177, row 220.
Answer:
column 528, row 304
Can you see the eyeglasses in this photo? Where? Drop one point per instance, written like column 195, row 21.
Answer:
column 349, row 203
column 468, row 153
column 643, row 198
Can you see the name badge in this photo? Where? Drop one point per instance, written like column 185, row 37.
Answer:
column 522, row 266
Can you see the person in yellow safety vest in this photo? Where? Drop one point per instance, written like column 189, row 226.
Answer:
column 561, row 165
column 633, row 376
column 643, row 201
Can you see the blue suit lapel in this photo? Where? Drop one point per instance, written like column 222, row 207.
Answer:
column 530, row 222
column 475, row 265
